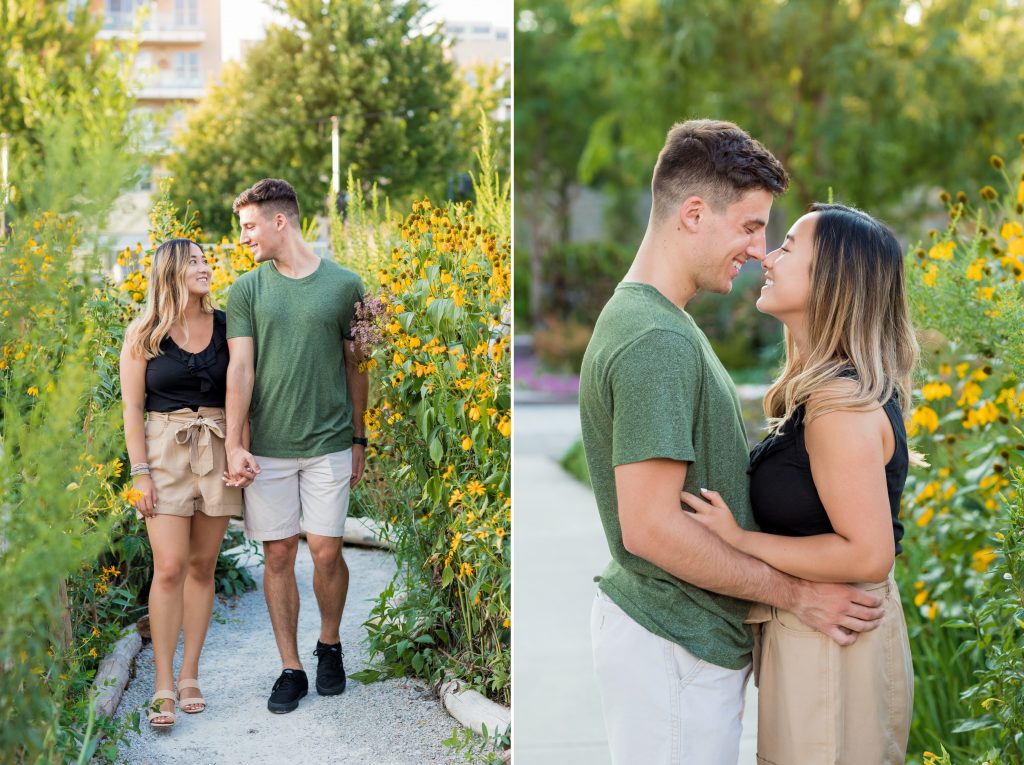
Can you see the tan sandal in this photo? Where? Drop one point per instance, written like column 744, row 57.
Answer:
column 195, row 701
column 157, row 717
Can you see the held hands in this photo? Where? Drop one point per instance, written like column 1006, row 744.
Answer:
column 242, row 468
column 712, row 513
column 146, row 504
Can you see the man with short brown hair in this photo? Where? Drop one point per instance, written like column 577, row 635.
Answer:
column 659, row 413
column 293, row 374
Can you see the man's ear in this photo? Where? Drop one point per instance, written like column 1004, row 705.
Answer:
column 280, row 221
column 691, row 211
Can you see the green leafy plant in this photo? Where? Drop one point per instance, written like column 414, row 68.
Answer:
column 441, row 426
column 965, row 289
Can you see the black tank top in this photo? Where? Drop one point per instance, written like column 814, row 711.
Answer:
column 782, row 492
column 177, row 379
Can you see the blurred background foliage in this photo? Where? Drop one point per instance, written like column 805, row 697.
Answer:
column 407, row 119
column 879, row 101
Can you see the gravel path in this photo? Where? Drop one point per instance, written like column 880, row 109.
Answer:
column 394, row 722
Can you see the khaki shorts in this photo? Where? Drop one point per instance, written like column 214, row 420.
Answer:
column 820, row 703
column 292, row 494
column 186, row 457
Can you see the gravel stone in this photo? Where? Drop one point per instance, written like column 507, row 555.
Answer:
column 394, row 722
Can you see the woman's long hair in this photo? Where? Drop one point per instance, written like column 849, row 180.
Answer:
column 857, row 320
column 166, row 300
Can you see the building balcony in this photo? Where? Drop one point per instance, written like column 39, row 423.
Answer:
column 171, row 87
column 155, row 28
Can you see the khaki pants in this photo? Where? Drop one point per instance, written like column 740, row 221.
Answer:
column 824, row 704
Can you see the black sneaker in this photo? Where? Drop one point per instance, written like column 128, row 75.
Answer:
column 330, row 670
column 291, row 686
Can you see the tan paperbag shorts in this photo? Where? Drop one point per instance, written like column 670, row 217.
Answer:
column 820, row 703
column 187, row 461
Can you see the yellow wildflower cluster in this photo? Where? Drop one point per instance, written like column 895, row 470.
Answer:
column 444, row 406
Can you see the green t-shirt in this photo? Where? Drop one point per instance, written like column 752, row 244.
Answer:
column 651, row 387
column 300, row 406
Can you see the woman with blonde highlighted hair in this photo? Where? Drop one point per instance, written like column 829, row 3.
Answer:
column 825, row 489
column 173, row 376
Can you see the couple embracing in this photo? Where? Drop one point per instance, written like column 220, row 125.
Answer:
column 266, row 399
column 779, row 561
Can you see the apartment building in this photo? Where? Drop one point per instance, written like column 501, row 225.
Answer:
column 482, row 42
column 179, row 56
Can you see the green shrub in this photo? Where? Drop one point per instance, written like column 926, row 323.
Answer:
column 441, row 424
column 966, row 296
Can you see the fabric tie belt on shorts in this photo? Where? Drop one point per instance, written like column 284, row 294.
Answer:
column 200, row 444
column 195, row 431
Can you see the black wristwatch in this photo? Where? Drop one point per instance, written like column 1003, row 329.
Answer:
column 360, row 440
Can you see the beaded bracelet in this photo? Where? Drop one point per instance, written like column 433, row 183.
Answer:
column 141, row 469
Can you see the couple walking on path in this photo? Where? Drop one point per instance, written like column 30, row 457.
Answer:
column 266, row 399
column 782, row 563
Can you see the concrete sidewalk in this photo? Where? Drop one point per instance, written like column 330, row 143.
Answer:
column 559, row 548
column 394, row 722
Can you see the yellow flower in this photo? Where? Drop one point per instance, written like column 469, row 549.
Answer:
column 926, row 417
column 971, row 394
column 961, row 369
column 982, row 559
column 475, row 488
column 474, row 413
column 131, row 495
column 925, row 518
column 935, row 391
column 32, row 390
column 93, row 653
column 976, row 271
column 933, row 611
column 456, row 496
column 1012, row 229
column 467, row 443
column 942, row 251
column 921, row 598
column 505, row 426
column 930, row 275
column 507, row 623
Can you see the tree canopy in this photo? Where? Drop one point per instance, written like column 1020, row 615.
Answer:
column 371, row 63
column 64, row 102
column 875, row 99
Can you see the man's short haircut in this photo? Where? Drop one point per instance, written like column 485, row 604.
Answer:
column 714, row 160
column 270, row 196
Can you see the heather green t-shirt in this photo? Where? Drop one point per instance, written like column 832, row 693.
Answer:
column 651, row 387
column 301, row 405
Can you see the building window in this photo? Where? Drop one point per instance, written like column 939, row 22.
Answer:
column 186, row 13
column 186, row 67
column 123, row 7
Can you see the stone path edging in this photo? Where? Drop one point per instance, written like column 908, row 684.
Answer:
column 114, row 671
column 474, row 710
